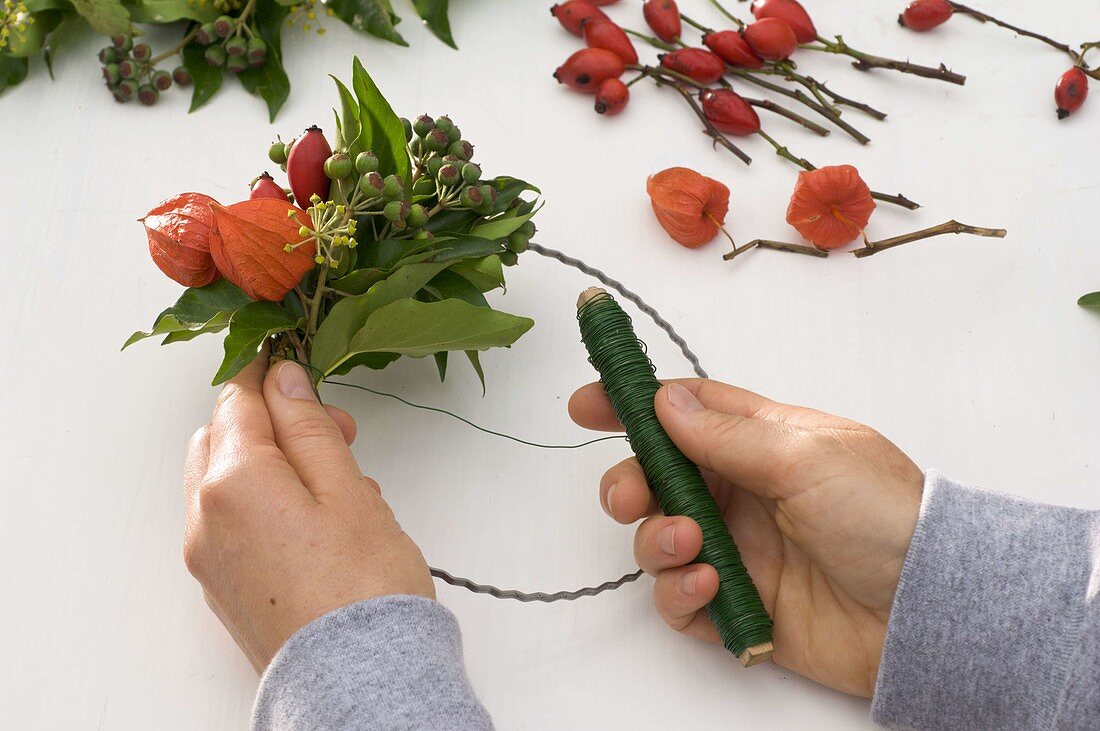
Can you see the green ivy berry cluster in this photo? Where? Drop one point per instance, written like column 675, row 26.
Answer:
column 130, row 71
column 443, row 177
column 231, row 43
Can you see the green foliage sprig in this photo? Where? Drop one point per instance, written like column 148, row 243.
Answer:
column 241, row 38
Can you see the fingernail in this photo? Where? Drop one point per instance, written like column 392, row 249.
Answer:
column 608, row 499
column 294, row 383
column 666, row 539
column 688, row 581
column 682, row 399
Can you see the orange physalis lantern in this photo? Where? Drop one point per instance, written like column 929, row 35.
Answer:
column 830, row 206
column 689, row 206
column 181, row 231
column 252, row 250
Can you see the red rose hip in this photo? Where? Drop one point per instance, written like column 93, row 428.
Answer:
column 695, row 63
column 922, row 15
column 610, row 37
column 586, row 69
column 732, row 48
column 572, row 14
column 305, row 167
column 266, row 187
column 771, row 39
column 790, row 12
column 1071, row 92
column 663, row 17
column 728, row 112
column 611, row 97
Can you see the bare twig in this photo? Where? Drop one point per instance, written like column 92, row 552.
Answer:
column 778, row 246
column 949, row 227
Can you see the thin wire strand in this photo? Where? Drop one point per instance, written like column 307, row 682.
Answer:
column 502, row 435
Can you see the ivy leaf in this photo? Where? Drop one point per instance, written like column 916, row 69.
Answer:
column 349, row 315
column 169, row 11
column 502, row 226
column 475, row 361
column 270, row 80
column 508, row 189
column 12, row 71
column 206, row 79
column 198, row 310
column 452, row 219
column 466, row 247
column 448, row 285
column 417, row 329
column 1090, row 300
column 64, row 34
column 434, row 15
column 385, row 132
column 249, row 327
column 371, row 16
column 350, row 124
column 441, row 365
column 107, row 17
column 486, row 273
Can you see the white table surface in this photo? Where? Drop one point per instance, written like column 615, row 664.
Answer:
column 970, row 353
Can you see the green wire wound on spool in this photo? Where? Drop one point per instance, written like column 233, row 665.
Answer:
column 630, row 382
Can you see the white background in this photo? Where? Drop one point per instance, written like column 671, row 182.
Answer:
column 970, row 353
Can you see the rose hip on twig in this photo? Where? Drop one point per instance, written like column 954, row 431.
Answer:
column 790, row 12
column 572, row 14
column 663, row 17
column 922, row 15
column 607, row 35
column 586, row 69
column 612, row 97
column 729, row 112
column 1071, row 91
column 703, row 66
column 771, row 39
column 732, row 48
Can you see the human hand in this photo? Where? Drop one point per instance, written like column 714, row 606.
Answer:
column 282, row 526
column 821, row 508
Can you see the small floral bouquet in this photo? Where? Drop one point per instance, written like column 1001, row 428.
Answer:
column 382, row 247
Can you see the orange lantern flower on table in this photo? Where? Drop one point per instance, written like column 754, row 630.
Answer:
column 689, row 206
column 830, row 206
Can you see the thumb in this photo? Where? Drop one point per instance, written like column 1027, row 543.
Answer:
column 746, row 451
column 308, row 436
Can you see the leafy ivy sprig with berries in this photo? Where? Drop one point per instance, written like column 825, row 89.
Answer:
column 241, row 38
column 384, row 245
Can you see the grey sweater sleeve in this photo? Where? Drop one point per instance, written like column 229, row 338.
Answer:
column 996, row 622
column 394, row 662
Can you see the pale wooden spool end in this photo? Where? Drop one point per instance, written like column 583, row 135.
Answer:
column 756, row 654
column 590, row 294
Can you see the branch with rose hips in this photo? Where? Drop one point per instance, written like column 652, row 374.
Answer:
column 382, row 247
column 241, row 38
column 830, row 208
column 1073, row 85
column 758, row 53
